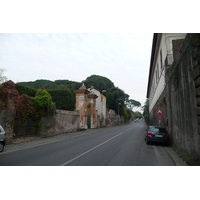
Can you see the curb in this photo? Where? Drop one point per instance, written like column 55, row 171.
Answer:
column 177, row 160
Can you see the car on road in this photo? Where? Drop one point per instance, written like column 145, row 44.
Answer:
column 156, row 134
column 2, row 138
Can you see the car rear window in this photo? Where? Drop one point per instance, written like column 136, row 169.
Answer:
column 153, row 129
column 162, row 130
column 158, row 129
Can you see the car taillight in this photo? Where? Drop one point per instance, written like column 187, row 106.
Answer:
column 4, row 133
column 167, row 134
column 149, row 133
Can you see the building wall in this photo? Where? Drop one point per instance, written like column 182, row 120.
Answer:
column 92, row 117
column 164, row 47
column 160, row 104
column 100, row 106
column 82, row 106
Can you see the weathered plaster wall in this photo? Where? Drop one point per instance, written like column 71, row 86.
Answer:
column 61, row 122
column 112, row 119
column 27, row 128
column 92, row 116
column 82, row 106
column 100, row 106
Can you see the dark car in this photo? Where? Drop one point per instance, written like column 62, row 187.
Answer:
column 157, row 134
column 2, row 138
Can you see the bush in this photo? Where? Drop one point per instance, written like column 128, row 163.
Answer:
column 43, row 101
column 35, row 107
column 43, row 104
column 64, row 99
column 25, row 90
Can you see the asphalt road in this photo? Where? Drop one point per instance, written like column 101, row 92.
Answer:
column 115, row 146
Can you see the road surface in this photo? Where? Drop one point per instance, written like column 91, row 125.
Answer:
column 115, row 146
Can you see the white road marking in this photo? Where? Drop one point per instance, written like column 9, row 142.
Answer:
column 86, row 152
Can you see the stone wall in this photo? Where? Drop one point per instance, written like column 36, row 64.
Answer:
column 112, row 119
column 183, row 97
column 27, row 128
column 61, row 122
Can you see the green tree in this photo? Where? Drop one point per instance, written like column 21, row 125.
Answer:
column 132, row 103
column 146, row 110
column 99, row 82
column 64, row 84
column 47, row 84
column 115, row 96
column 43, row 103
column 65, row 99
column 25, row 90
column 138, row 114
column 115, row 99
column 127, row 113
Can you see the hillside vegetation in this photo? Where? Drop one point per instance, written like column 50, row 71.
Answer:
column 62, row 92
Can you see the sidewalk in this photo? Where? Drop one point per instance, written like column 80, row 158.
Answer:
column 22, row 139
column 177, row 159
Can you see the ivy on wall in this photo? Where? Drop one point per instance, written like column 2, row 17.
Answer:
column 8, row 92
column 26, row 106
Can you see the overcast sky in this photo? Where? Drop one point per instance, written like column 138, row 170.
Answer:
column 124, row 58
